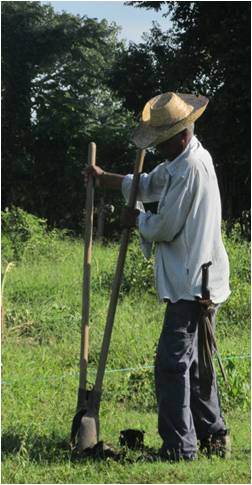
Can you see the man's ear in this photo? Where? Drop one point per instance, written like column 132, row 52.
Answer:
column 186, row 136
column 183, row 137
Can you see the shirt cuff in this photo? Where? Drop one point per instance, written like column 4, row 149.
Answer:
column 126, row 185
column 145, row 245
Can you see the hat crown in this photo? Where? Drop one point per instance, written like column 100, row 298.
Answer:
column 165, row 110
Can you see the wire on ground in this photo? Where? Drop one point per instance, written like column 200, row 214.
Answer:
column 108, row 371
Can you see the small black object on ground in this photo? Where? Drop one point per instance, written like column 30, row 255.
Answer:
column 132, row 439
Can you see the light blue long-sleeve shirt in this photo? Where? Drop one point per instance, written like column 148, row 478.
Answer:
column 187, row 226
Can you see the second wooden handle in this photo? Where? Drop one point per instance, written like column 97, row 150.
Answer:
column 89, row 209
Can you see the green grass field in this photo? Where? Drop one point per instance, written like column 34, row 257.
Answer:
column 40, row 356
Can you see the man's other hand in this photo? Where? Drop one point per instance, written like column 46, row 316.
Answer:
column 128, row 217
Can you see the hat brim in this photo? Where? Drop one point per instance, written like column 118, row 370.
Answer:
column 146, row 135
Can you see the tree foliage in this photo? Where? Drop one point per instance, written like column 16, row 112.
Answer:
column 67, row 80
column 32, row 37
column 61, row 103
column 207, row 50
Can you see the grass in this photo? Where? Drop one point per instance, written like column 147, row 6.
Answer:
column 40, row 357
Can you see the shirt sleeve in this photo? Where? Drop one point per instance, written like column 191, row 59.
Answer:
column 173, row 211
column 150, row 185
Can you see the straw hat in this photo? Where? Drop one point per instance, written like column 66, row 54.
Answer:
column 166, row 115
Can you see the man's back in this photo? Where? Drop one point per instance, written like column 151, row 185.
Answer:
column 187, row 226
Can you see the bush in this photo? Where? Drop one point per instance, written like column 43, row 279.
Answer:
column 236, row 392
column 25, row 237
column 236, row 310
column 138, row 274
column 20, row 228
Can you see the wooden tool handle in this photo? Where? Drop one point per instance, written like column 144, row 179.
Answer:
column 205, row 278
column 89, row 209
column 117, row 279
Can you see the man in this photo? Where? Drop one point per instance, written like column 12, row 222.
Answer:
column 187, row 234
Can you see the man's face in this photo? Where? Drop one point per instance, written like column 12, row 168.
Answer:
column 171, row 149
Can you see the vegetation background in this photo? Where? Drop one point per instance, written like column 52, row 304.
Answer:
column 66, row 81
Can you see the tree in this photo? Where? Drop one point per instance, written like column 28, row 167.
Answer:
column 208, row 51
column 32, row 36
column 221, row 70
column 133, row 76
column 62, row 133
column 61, row 103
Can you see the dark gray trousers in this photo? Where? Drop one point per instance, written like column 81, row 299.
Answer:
column 183, row 417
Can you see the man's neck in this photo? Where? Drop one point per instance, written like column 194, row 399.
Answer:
column 179, row 151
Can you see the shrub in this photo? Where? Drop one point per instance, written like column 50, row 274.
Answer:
column 138, row 274
column 236, row 310
column 20, row 228
column 236, row 392
column 26, row 237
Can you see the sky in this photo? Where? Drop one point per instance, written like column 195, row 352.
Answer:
column 134, row 21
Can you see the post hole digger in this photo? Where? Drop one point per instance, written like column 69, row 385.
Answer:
column 85, row 426
column 83, row 392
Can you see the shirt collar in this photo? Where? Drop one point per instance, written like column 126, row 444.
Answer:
column 171, row 167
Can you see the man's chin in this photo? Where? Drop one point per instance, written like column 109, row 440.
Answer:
column 162, row 156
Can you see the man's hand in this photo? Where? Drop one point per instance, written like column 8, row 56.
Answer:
column 93, row 170
column 128, row 217
column 103, row 179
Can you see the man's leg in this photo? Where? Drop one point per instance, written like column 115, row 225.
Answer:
column 172, row 379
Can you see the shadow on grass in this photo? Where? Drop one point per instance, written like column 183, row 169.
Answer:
column 52, row 449
column 36, row 448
